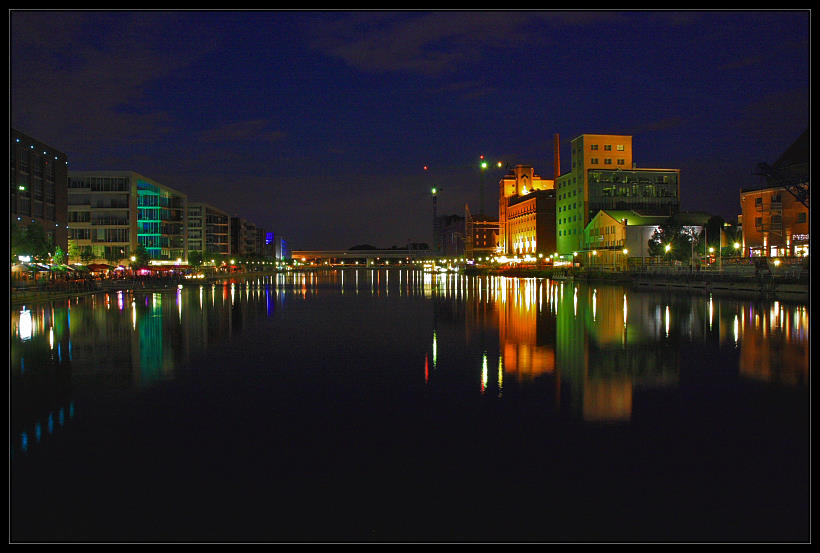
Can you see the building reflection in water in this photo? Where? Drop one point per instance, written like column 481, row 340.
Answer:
column 775, row 343
column 594, row 348
column 117, row 341
column 600, row 346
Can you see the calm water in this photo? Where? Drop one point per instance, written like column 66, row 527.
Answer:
column 395, row 405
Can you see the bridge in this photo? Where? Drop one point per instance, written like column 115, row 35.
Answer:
column 363, row 257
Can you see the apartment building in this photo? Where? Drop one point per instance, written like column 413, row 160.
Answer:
column 39, row 187
column 110, row 213
column 209, row 229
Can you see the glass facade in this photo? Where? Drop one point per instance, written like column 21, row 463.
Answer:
column 647, row 191
column 111, row 213
column 160, row 221
column 603, row 176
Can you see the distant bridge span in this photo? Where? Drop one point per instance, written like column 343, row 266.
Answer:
column 359, row 255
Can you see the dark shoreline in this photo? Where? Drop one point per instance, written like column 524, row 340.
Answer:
column 683, row 281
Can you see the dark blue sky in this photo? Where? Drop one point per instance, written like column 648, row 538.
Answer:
column 318, row 124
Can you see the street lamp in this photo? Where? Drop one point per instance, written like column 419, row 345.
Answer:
column 483, row 166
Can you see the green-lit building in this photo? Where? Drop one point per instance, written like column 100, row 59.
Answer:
column 110, row 213
column 604, row 176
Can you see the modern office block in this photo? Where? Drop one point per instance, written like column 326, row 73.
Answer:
column 209, row 229
column 113, row 212
column 603, row 175
column 39, row 187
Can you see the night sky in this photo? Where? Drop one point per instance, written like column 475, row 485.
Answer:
column 317, row 125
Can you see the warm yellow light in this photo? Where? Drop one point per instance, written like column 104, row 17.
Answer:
column 626, row 251
column 736, row 245
column 711, row 250
column 667, row 247
column 776, row 262
column 133, row 258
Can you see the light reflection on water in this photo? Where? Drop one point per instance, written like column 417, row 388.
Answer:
column 596, row 346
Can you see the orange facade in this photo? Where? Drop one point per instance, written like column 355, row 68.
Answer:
column 775, row 223
column 526, row 215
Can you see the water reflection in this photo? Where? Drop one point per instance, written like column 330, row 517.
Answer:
column 592, row 349
column 599, row 346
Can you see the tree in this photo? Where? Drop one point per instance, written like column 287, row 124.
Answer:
column 195, row 258
column 17, row 240
column 142, row 257
column 30, row 240
column 678, row 238
column 74, row 251
column 59, row 256
column 113, row 255
column 87, row 254
column 712, row 230
column 218, row 258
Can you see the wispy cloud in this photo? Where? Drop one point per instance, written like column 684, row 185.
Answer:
column 256, row 130
column 435, row 43
column 62, row 81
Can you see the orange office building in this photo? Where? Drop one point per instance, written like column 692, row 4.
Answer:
column 775, row 215
column 526, row 213
column 775, row 223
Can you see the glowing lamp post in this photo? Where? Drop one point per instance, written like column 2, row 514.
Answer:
column 434, row 191
column 483, row 165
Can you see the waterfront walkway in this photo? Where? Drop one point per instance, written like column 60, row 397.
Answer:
column 790, row 283
column 27, row 292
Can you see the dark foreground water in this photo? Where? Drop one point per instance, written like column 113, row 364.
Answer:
column 394, row 405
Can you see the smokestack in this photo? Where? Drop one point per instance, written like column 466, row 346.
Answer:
column 556, row 156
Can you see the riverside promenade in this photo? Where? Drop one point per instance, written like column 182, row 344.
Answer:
column 761, row 280
column 787, row 283
column 22, row 293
